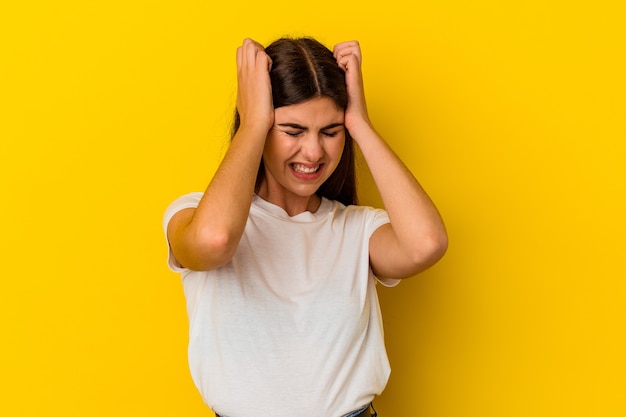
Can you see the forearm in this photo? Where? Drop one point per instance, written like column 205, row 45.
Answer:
column 415, row 220
column 217, row 224
column 416, row 238
column 227, row 199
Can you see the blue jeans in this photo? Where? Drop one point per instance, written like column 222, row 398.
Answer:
column 358, row 412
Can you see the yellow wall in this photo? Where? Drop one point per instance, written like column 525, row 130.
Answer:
column 512, row 115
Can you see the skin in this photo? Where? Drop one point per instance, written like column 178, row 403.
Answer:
column 302, row 150
column 207, row 237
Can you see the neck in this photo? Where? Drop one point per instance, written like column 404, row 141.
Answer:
column 292, row 204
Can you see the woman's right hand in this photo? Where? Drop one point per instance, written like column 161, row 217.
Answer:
column 254, row 92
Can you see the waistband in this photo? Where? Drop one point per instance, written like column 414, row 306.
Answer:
column 363, row 412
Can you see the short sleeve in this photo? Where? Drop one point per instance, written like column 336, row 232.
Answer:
column 187, row 201
column 381, row 218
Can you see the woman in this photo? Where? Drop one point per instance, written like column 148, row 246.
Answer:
column 279, row 264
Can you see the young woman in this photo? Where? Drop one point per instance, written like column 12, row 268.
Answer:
column 279, row 264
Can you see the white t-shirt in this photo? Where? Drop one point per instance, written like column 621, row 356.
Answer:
column 291, row 326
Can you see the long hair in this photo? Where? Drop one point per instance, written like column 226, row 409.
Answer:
column 303, row 69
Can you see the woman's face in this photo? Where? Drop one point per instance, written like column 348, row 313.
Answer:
column 302, row 149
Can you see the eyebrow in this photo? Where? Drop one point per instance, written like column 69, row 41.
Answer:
column 300, row 127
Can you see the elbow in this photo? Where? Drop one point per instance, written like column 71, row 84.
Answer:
column 209, row 250
column 439, row 246
column 430, row 250
column 219, row 248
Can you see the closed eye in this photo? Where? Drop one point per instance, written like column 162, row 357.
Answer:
column 331, row 134
column 294, row 134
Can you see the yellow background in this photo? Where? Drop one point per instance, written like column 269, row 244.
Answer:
column 512, row 115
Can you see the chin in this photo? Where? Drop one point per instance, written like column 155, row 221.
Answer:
column 306, row 190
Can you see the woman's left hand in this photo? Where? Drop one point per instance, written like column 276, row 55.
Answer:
column 348, row 56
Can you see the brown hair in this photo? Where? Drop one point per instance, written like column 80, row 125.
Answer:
column 302, row 69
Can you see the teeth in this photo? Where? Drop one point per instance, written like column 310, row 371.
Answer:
column 305, row 170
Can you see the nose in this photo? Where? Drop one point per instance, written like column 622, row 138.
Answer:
column 311, row 148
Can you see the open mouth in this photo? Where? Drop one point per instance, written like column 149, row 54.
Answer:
column 304, row 169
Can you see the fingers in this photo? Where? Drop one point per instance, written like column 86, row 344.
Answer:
column 347, row 54
column 251, row 55
column 349, row 58
column 254, row 90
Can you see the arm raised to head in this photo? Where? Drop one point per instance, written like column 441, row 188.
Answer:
column 206, row 237
column 416, row 238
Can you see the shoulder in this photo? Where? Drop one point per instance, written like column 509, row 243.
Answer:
column 366, row 217
column 190, row 200
column 186, row 201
